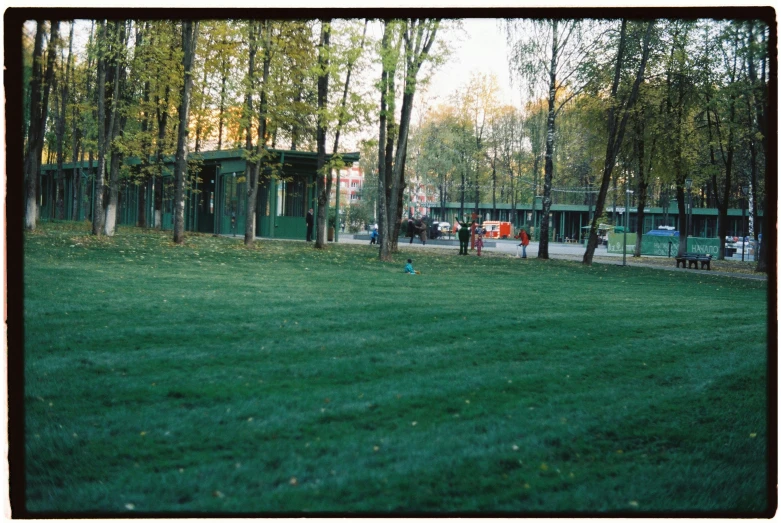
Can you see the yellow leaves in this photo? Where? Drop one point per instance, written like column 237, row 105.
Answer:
column 293, row 481
column 543, row 467
column 634, row 504
column 143, row 433
column 218, row 494
column 752, row 435
column 376, row 448
column 129, row 506
column 414, row 423
column 250, row 419
column 526, row 486
column 515, row 447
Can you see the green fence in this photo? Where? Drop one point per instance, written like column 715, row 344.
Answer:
column 660, row 245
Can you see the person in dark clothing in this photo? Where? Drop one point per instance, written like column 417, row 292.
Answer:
column 411, row 229
column 464, row 233
column 310, row 224
column 421, row 228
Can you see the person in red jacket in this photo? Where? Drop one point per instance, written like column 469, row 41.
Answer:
column 524, row 242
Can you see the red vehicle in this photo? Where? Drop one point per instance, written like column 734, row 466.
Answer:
column 496, row 229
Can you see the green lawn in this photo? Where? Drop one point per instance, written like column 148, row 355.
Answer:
column 212, row 378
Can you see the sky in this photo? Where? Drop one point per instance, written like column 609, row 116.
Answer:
column 483, row 50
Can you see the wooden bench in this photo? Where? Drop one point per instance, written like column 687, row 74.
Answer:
column 692, row 258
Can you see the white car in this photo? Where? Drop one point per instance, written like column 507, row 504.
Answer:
column 443, row 227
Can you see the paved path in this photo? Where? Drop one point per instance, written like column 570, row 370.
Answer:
column 558, row 251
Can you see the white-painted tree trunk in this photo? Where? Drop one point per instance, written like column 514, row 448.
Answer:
column 31, row 214
column 111, row 220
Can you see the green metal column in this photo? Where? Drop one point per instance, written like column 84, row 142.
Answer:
column 217, row 209
column 561, row 229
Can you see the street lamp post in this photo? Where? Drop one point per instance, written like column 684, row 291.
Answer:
column 744, row 190
column 689, row 213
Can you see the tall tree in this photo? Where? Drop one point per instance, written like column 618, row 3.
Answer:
column 117, row 121
column 322, row 127
column 617, row 116
column 60, row 128
column 39, row 110
column 418, row 36
column 255, row 162
column 549, row 53
column 189, row 41
column 97, row 206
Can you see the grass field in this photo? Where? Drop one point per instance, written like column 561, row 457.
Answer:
column 212, row 378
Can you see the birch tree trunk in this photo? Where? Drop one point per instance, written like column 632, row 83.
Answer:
column 549, row 137
column 97, row 204
column 114, row 129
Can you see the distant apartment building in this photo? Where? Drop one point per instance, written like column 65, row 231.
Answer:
column 350, row 184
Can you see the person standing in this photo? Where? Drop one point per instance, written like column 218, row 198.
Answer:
column 524, row 242
column 373, row 236
column 310, row 224
column 422, row 230
column 410, row 229
column 479, row 243
column 464, row 232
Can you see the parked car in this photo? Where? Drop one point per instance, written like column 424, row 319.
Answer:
column 444, row 227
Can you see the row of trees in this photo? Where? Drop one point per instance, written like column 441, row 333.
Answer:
column 613, row 104
column 163, row 87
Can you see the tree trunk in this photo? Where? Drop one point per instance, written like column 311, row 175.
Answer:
column 549, row 136
column 729, row 160
column 97, row 204
column 382, row 199
column 322, row 127
column 115, row 125
column 63, row 103
column 34, row 134
column 616, row 129
column 253, row 182
column 39, row 109
column 642, row 182
column 189, row 40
